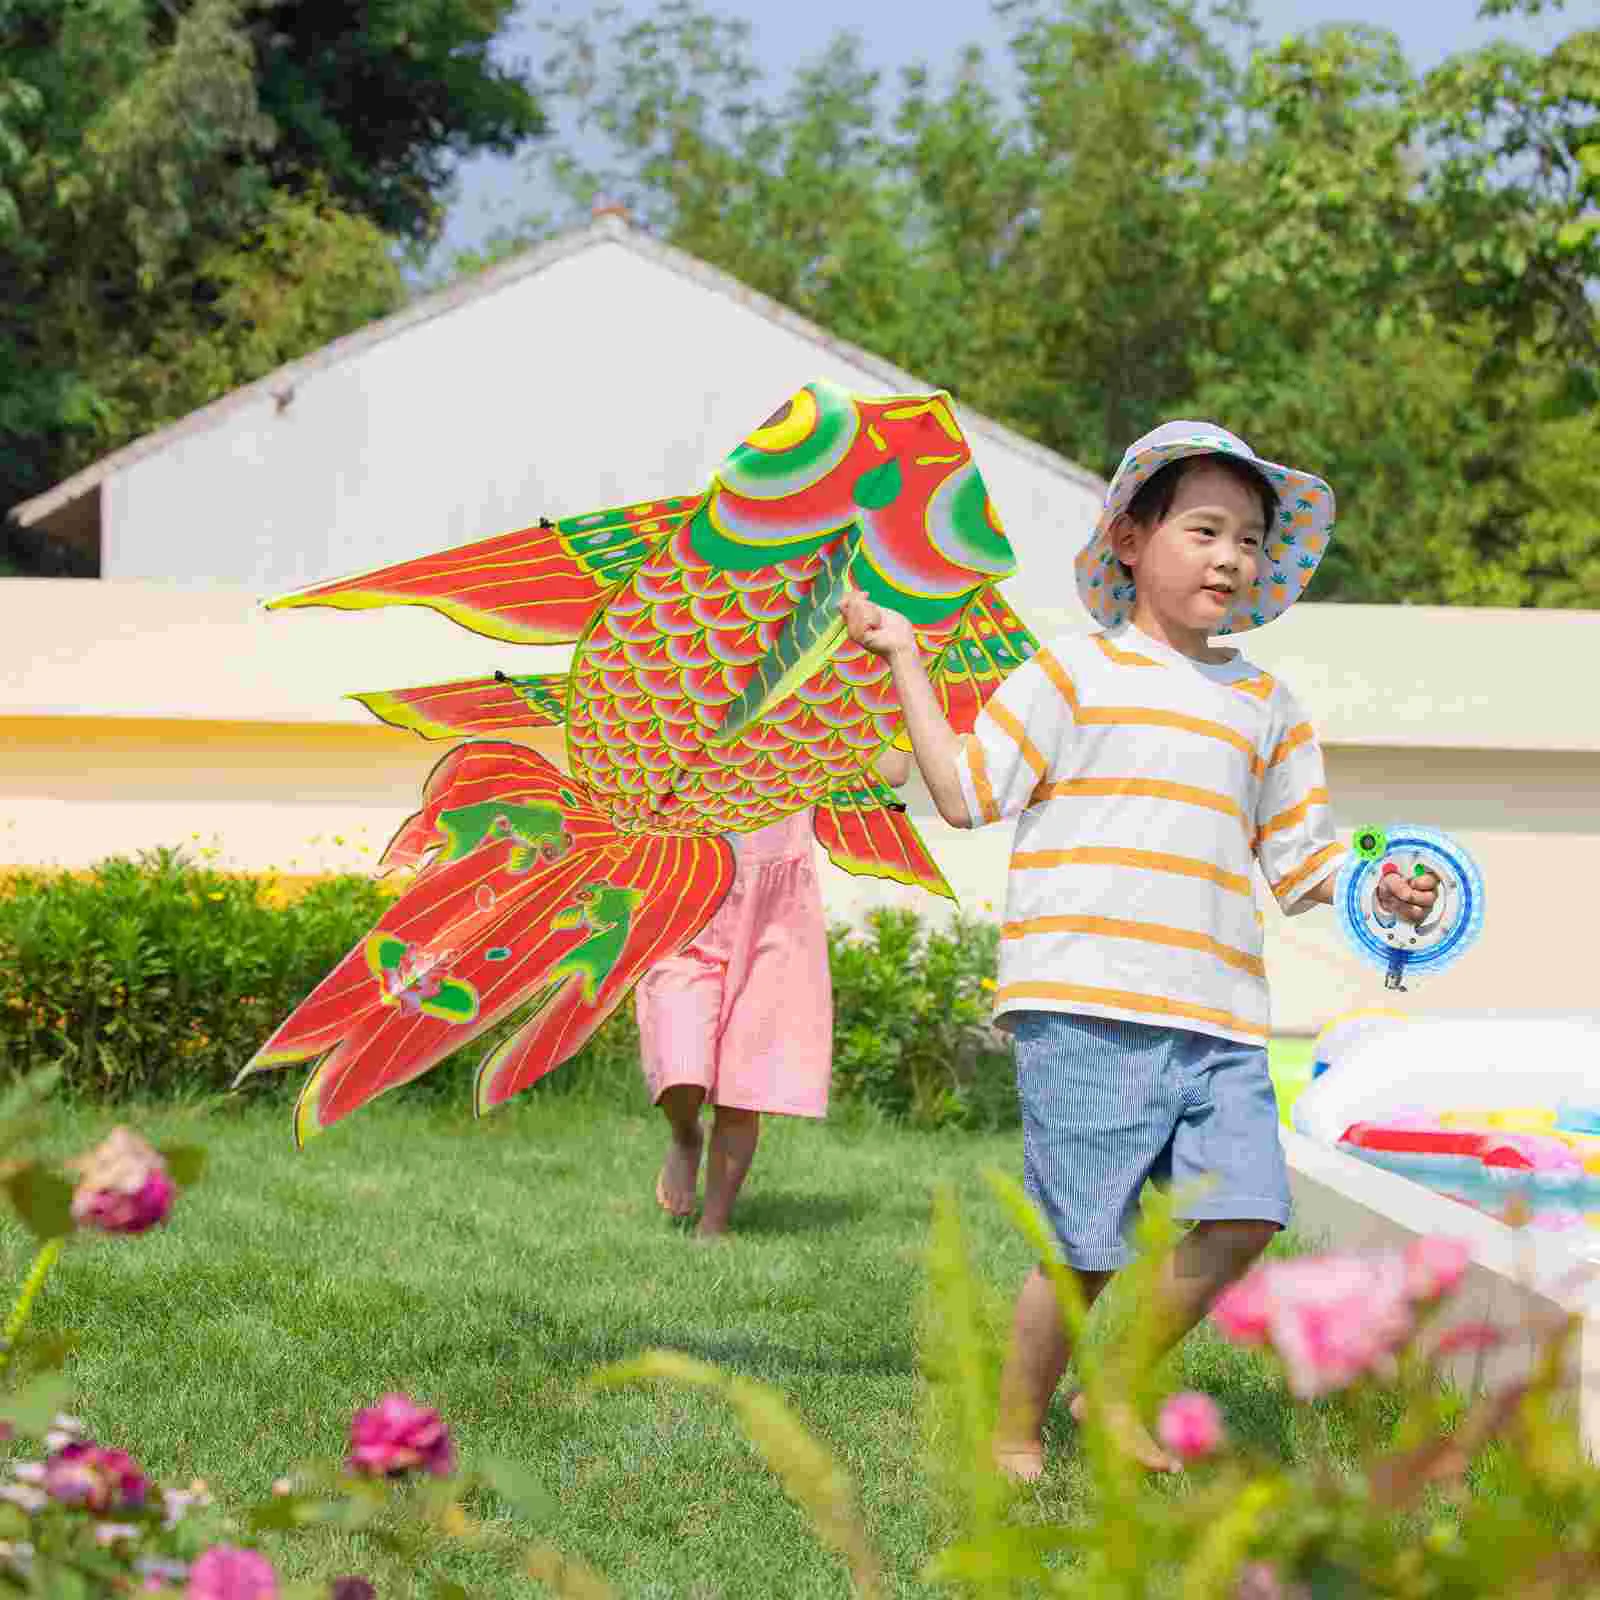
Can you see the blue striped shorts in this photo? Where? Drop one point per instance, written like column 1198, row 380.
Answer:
column 1108, row 1104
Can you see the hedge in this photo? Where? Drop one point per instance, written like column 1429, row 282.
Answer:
column 159, row 977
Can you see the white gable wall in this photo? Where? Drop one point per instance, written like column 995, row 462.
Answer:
column 606, row 376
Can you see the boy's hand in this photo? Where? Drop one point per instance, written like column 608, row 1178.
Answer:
column 1411, row 898
column 883, row 633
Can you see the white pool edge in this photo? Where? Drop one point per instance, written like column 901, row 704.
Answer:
column 1515, row 1277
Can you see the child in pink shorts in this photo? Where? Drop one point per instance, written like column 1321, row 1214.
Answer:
column 742, row 1017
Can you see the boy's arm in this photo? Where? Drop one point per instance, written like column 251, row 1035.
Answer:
column 894, row 767
column 933, row 741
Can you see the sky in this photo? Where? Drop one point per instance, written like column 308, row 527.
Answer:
column 494, row 191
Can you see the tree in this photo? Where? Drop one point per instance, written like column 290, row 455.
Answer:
column 375, row 100
column 1383, row 275
column 1407, row 299
column 192, row 194
column 1024, row 258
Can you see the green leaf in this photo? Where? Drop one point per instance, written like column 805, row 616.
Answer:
column 28, row 1092
column 1573, row 236
column 43, row 1199
column 518, row 1487
column 444, row 1589
column 32, row 1410
column 878, row 486
column 1006, row 1554
column 49, row 1352
column 185, row 1162
column 280, row 1514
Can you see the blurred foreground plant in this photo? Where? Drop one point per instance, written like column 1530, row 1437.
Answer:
column 1365, row 1329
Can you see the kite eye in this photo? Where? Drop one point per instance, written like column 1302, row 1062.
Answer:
column 964, row 526
column 796, row 447
column 792, row 423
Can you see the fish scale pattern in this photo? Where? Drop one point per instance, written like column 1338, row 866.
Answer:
column 672, row 651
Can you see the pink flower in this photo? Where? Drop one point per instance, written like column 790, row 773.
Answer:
column 397, row 1436
column 352, row 1588
column 1243, row 1311
column 83, row 1474
column 1435, row 1265
column 123, row 1187
column 1331, row 1319
column 1339, row 1319
column 1190, row 1426
column 226, row 1572
column 1260, row 1581
column 1467, row 1338
column 159, row 1574
column 24, row 1496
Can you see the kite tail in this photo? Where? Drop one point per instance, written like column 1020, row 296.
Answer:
column 529, row 908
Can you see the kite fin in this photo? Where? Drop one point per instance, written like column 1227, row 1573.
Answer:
column 526, row 894
column 473, row 705
column 867, row 832
column 538, row 585
column 992, row 644
column 642, row 907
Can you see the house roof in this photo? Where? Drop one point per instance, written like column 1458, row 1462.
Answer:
column 605, row 229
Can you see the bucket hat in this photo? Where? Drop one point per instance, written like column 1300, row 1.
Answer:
column 1293, row 549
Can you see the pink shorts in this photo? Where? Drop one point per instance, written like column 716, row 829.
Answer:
column 746, row 1011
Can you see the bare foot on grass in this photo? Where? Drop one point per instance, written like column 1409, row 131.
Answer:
column 1128, row 1434
column 1023, row 1463
column 678, row 1185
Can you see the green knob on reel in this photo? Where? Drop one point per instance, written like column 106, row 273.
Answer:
column 1370, row 843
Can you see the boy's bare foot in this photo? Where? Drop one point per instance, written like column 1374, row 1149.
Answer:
column 679, row 1181
column 1022, row 1462
column 1129, row 1434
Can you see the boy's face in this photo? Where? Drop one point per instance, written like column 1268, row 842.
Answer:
column 1191, row 566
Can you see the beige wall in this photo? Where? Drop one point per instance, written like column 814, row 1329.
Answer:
column 1531, row 821
column 305, row 799
column 266, row 796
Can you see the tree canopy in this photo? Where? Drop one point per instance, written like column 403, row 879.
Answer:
column 1383, row 274
column 194, row 191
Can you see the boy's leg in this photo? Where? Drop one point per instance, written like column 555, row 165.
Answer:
column 1098, row 1110
column 680, row 1172
column 1227, row 1154
column 1035, row 1362
column 1210, row 1256
column 734, row 1133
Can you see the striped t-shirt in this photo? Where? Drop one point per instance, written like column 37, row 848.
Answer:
column 1145, row 785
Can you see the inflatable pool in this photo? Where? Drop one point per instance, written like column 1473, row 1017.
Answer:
column 1499, row 1112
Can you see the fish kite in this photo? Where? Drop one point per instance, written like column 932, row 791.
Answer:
column 713, row 690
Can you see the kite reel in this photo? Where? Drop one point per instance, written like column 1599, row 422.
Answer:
column 1402, row 949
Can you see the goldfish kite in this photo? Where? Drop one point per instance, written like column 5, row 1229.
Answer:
column 713, row 690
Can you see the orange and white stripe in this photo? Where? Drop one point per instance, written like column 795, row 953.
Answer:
column 1147, row 790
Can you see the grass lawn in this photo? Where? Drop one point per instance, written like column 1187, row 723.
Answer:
column 488, row 1267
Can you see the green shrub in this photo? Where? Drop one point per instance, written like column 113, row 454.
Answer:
column 911, row 1025
column 157, row 976
column 162, row 977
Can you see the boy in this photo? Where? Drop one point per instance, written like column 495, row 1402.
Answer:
column 1148, row 770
